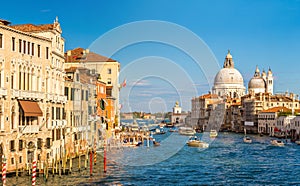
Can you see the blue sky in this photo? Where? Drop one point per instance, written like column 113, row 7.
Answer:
column 258, row 32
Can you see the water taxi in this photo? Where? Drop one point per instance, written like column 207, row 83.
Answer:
column 194, row 142
column 213, row 134
column 278, row 143
column 247, row 139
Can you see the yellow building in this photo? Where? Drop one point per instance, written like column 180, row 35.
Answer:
column 31, row 94
column 109, row 74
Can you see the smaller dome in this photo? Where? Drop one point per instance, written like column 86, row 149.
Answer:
column 257, row 82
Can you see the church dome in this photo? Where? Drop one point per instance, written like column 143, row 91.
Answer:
column 256, row 82
column 229, row 81
column 229, row 76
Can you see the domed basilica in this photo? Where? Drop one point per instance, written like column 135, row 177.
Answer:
column 229, row 81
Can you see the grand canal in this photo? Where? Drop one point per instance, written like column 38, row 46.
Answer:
column 228, row 161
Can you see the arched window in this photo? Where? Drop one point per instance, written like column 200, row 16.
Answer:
column 235, row 95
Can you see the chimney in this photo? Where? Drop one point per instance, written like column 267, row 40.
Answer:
column 87, row 50
column 69, row 53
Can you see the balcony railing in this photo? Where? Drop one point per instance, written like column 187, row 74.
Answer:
column 29, row 129
column 3, row 92
column 28, row 94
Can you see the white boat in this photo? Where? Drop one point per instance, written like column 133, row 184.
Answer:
column 187, row 131
column 297, row 142
column 278, row 143
column 213, row 134
column 194, row 142
column 247, row 139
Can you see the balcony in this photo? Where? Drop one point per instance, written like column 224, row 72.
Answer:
column 26, row 94
column 3, row 92
column 29, row 129
column 57, row 98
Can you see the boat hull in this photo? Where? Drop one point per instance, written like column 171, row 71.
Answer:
column 196, row 143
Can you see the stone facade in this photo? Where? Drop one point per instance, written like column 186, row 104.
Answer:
column 254, row 104
column 32, row 97
column 81, row 110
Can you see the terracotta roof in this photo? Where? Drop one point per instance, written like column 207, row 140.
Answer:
column 32, row 27
column 81, row 55
column 277, row 109
column 208, row 96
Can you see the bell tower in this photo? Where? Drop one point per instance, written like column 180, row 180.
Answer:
column 270, row 82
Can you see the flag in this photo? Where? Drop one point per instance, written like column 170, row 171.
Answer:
column 124, row 83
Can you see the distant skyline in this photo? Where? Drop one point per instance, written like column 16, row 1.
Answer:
column 259, row 32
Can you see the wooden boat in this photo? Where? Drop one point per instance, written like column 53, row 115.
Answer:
column 213, row 134
column 278, row 143
column 194, row 142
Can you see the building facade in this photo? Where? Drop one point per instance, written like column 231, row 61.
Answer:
column 254, row 104
column 81, row 110
column 107, row 68
column 32, row 98
column 177, row 117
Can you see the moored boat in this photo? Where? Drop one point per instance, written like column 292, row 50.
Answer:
column 278, row 143
column 297, row 142
column 213, row 134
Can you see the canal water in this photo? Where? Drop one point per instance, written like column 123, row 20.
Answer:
column 228, row 161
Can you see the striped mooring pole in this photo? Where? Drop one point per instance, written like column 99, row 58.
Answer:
column 33, row 173
column 95, row 153
column 3, row 170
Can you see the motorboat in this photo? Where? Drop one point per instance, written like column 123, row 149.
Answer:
column 213, row 134
column 297, row 142
column 278, row 143
column 194, row 142
column 159, row 131
column 187, row 131
column 247, row 139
